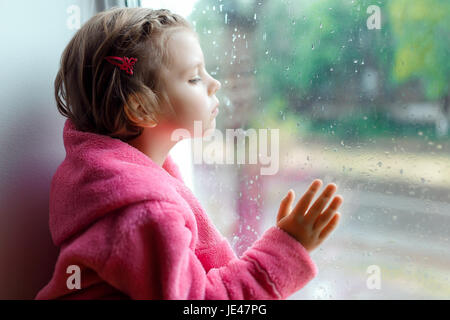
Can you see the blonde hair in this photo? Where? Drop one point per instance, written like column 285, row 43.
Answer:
column 96, row 95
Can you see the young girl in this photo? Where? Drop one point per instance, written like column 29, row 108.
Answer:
column 126, row 224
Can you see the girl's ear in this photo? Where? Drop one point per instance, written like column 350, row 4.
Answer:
column 136, row 113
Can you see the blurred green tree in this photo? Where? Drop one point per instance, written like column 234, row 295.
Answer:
column 307, row 53
column 421, row 32
column 317, row 50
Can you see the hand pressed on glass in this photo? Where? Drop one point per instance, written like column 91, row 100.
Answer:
column 310, row 226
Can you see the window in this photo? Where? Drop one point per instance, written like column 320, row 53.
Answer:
column 359, row 92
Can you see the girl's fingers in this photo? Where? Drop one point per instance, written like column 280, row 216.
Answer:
column 328, row 214
column 317, row 208
column 303, row 204
column 330, row 227
column 285, row 206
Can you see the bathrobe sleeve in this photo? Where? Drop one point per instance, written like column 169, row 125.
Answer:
column 153, row 258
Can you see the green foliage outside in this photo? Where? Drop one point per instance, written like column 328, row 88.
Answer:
column 313, row 52
column 421, row 30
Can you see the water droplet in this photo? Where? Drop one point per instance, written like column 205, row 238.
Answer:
column 331, row 69
column 355, row 61
column 321, row 25
column 312, row 47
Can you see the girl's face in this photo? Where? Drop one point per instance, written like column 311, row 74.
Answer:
column 190, row 88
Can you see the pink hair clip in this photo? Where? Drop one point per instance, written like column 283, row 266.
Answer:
column 124, row 63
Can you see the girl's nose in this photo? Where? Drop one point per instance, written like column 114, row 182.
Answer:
column 216, row 85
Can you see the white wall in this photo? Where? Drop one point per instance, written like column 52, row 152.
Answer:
column 33, row 36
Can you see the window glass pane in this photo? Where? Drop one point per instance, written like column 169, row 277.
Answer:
column 359, row 92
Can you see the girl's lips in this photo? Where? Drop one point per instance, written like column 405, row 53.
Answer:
column 215, row 111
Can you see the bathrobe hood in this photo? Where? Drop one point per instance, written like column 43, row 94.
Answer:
column 100, row 175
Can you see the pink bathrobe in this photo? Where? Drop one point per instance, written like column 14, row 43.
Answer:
column 136, row 231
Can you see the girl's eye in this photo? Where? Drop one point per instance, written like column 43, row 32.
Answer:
column 195, row 80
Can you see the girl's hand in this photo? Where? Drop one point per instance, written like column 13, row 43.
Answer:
column 310, row 227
